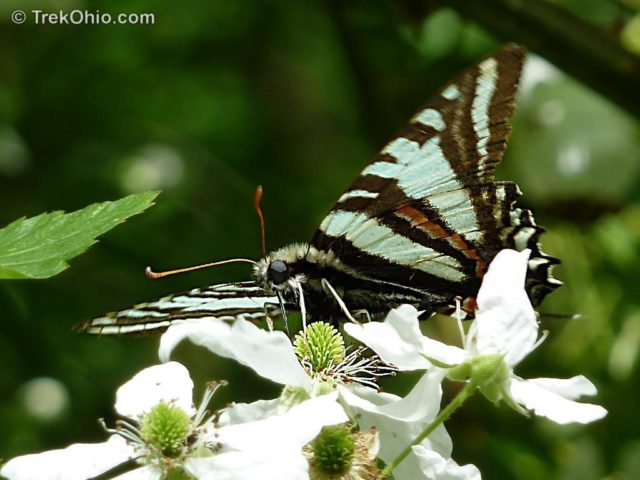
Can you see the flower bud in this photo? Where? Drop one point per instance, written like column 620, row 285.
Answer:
column 333, row 450
column 339, row 453
column 491, row 374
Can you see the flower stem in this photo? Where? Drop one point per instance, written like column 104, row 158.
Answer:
column 456, row 403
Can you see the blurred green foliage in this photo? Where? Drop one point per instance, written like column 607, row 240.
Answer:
column 218, row 97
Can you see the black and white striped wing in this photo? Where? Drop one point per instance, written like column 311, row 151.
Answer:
column 427, row 213
column 227, row 301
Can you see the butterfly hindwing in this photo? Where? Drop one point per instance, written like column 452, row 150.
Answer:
column 227, row 301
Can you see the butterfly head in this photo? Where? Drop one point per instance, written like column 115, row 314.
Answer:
column 276, row 272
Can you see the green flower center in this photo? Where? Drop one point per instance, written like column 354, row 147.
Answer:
column 166, row 428
column 321, row 345
column 178, row 474
column 333, row 450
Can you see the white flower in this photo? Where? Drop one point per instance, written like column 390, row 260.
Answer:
column 400, row 421
column 165, row 432
column 505, row 331
column 271, row 447
column 434, row 466
column 271, row 354
column 76, row 462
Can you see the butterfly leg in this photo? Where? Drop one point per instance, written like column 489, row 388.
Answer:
column 325, row 284
column 303, row 307
column 271, row 311
column 284, row 314
column 267, row 316
column 364, row 313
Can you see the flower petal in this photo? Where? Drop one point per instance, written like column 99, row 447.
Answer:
column 436, row 467
column 249, row 466
column 249, row 412
column 553, row 404
column 505, row 322
column 269, row 354
column 571, row 388
column 394, row 340
column 147, row 472
column 169, row 383
column 367, row 393
column 504, row 280
column 399, row 341
column 79, row 461
column 398, row 423
column 295, row 428
column 269, row 448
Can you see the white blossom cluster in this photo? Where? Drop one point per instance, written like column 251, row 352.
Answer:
column 330, row 422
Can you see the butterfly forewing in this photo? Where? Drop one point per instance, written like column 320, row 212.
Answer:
column 427, row 213
column 227, row 301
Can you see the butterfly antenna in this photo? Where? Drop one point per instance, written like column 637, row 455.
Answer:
column 562, row 316
column 151, row 274
column 256, row 204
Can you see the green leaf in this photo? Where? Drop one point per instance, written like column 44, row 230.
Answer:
column 39, row 247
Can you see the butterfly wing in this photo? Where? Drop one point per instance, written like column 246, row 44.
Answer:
column 427, row 213
column 227, row 301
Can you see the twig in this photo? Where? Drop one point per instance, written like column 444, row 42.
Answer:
column 577, row 47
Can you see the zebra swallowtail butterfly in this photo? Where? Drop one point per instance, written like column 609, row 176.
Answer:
column 419, row 225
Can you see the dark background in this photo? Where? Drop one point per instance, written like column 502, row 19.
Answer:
column 218, row 97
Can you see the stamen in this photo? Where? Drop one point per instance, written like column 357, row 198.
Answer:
column 127, row 435
column 122, row 432
column 360, row 369
column 543, row 337
column 212, row 388
column 128, row 426
column 463, row 337
column 112, row 431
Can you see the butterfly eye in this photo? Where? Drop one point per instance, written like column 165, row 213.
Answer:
column 278, row 271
